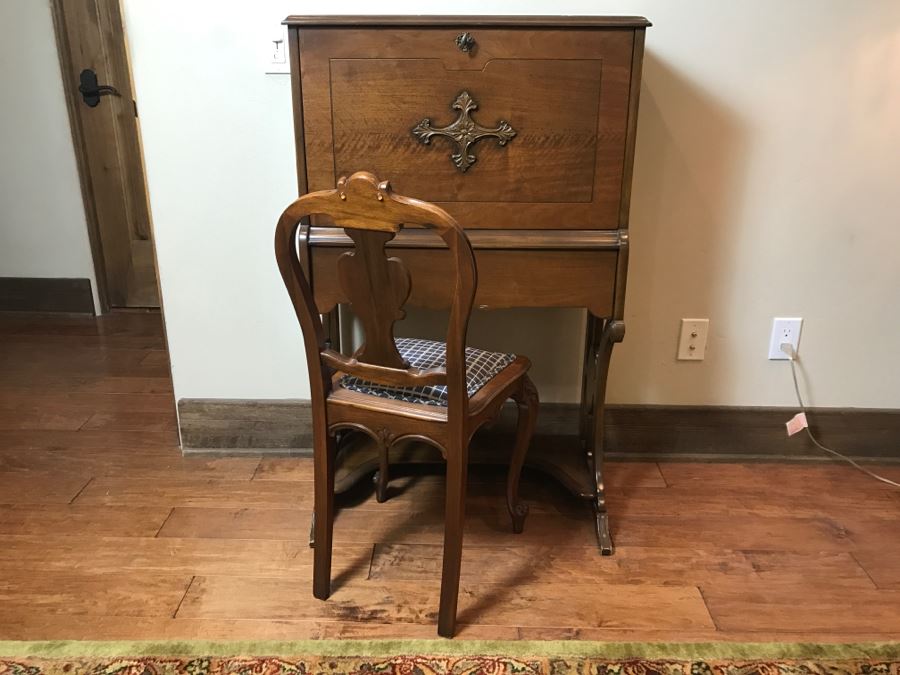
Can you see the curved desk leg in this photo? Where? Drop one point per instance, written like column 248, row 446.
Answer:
column 612, row 331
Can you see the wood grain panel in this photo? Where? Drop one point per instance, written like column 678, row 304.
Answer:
column 505, row 278
column 552, row 104
column 564, row 91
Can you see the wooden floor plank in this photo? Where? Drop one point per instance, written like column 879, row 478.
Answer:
column 809, row 570
column 883, row 568
column 132, row 420
column 644, row 606
column 167, row 556
column 822, row 478
column 145, row 343
column 783, row 606
column 562, row 565
column 178, row 492
column 123, row 595
column 618, row 474
column 79, row 521
column 406, row 493
column 46, row 626
column 115, row 323
column 159, row 464
column 485, row 528
column 43, row 419
column 62, row 627
column 25, row 398
column 126, row 441
column 743, row 531
column 40, row 487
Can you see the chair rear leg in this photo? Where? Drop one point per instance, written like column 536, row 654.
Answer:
column 382, row 476
column 526, row 399
column 323, row 524
column 454, row 521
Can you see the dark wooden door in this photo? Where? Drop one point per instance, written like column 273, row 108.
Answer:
column 91, row 37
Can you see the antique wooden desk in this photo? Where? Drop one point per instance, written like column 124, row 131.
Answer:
column 523, row 128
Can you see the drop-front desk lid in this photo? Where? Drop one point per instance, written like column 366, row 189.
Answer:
column 498, row 21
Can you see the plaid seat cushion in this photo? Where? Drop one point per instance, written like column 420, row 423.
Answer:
column 481, row 366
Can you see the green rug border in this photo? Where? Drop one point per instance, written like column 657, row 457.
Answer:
column 378, row 648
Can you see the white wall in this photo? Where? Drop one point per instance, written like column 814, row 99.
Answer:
column 43, row 232
column 766, row 184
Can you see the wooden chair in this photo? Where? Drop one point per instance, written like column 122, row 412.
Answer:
column 380, row 390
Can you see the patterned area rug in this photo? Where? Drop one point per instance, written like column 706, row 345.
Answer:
column 433, row 657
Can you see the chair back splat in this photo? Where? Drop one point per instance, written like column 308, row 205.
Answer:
column 377, row 286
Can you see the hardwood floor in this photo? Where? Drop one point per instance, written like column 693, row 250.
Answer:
column 106, row 531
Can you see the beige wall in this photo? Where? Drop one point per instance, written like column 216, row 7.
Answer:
column 766, row 184
column 43, row 232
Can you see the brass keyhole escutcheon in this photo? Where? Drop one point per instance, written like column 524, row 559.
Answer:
column 465, row 42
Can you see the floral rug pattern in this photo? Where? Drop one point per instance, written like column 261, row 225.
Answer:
column 435, row 665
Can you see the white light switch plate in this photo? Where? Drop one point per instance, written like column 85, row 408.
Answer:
column 276, row 52
column 692, row 342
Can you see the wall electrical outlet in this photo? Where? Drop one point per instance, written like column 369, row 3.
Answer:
column 692, row 342
column 784, row 330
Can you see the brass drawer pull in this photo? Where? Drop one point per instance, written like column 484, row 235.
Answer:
column 464, row 132
column 465, row 42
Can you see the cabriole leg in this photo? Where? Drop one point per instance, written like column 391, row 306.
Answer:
column 613, row 331
column 526, row 399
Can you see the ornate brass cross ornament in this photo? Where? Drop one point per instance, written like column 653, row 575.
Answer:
column 464, row 132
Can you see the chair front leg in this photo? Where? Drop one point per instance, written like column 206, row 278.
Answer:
column 324, row 448
column 526, row 398
column 454, row 521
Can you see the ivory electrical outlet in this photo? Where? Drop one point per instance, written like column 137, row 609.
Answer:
column 692, row 342
column 784, row 330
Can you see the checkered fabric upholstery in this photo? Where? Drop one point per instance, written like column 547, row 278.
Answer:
column 481, row 366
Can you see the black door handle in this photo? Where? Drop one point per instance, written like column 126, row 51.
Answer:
column 91, row 91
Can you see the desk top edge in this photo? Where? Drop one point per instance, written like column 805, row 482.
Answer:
column 508, row 21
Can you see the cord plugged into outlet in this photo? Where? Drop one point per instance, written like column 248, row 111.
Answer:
column 784, row 331
column 790, row 353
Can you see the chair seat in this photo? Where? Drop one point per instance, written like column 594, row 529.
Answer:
column 481, row 367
